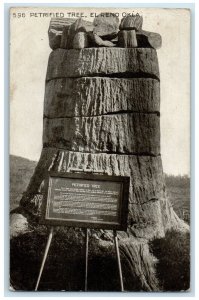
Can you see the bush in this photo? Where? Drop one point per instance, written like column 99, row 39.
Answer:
column 173, row 267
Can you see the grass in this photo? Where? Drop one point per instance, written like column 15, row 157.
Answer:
column 173, row 267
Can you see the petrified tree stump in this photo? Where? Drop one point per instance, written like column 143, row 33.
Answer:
column 102, row 113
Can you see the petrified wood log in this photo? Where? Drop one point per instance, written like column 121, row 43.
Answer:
column 127, row 39
column 64, row 43
column 121, row 133
column 138, row 37
column 106, row 26
column 56, row 28
column 103, row 61
column 80, row 40
column 131, row 22
column 69, row 33
column 96, row 41
column 90, row 96
column 147, row 38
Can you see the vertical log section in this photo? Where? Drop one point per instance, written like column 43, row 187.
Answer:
column 120, row 133
column 128, row 62
column 90, row 96
column 101, row 112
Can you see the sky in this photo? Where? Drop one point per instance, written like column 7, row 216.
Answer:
column 29, row 57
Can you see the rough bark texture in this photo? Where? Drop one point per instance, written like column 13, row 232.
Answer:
column 69, row 97
column 121, row 133
column 102, row 61
column 109, row 123
column 140, row 262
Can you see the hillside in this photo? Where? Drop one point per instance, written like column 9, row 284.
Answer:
column 21, row 170
column 178, row 188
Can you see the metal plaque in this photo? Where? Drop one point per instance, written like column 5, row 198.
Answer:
column 86, row 200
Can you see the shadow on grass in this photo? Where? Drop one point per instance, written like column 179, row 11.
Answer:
column 65, row 264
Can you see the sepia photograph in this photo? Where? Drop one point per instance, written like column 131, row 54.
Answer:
column 100, row 149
